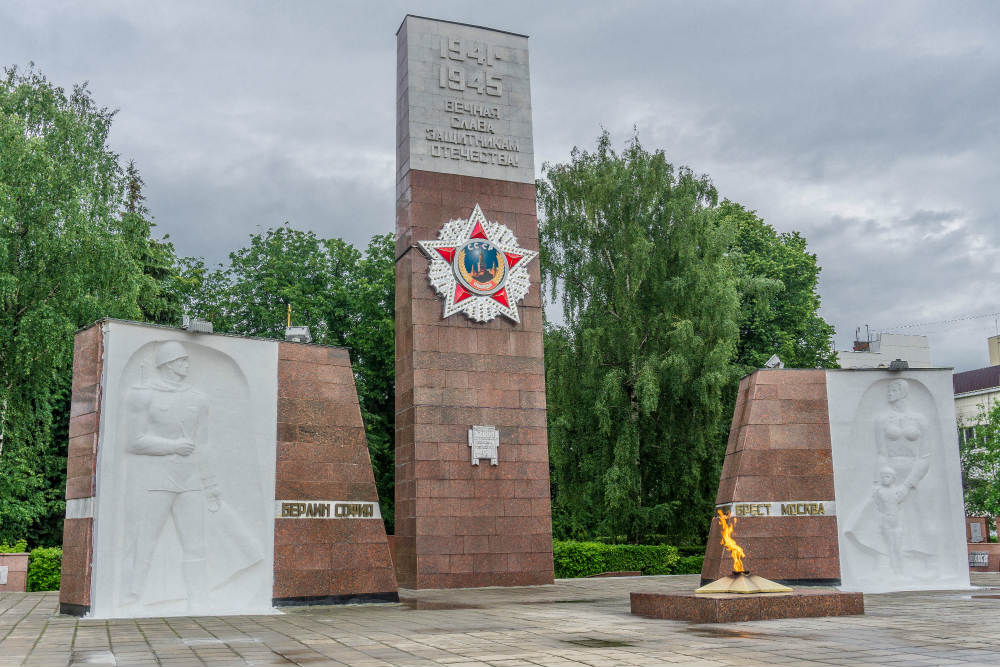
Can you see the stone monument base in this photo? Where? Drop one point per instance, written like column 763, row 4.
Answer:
column 735, row 607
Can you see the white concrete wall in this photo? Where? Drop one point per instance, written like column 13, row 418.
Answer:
column 184, row 519
column 897, row 478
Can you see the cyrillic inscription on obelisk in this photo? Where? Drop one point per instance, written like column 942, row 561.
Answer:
column 468, row 314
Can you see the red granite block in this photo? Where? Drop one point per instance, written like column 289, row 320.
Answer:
column 790, row 376
column 727, row 486
column 79, row 467
column 82, row 486
column 490, row 562
column 472, row 544
column 76, row 564
column 531, row 488
column 300, row 583
column 731, row 465
column 734, row 608
column 765, row 392
column 476, row 525
column 767, row 487
column 439, row 544
column 800, row 436
column 500, row 488
column 84, row 399
column 513, row 525
column 84, row 424
column 804, row 411
column 88, row 355
column 83, row 446
column 302, row 557
column 779, row 463
column 327, row 460
column 461, row 563
column 17, row 571
column 764, row 412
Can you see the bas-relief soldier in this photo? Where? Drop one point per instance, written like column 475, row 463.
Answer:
column 165, row 440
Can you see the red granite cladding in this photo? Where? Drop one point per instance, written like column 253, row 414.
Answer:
column 460, row 525
column 735, row 608
column 81, row 463
column 984, row 526
column 779, row 451
column 77, row 553
column 323, row 455
column 17, row 572
column 85, row 406
column 992, row 552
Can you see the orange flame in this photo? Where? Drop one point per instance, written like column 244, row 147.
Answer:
column 735, row 550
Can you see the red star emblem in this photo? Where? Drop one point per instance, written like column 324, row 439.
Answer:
column 479, row 268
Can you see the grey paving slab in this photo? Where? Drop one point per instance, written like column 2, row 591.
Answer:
column 578, row 623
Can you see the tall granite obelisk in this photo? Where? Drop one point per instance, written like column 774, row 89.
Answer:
column 472, row 471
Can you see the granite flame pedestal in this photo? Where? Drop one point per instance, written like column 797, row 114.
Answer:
column 736, row 608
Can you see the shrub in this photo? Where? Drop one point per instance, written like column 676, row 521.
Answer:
column 44, row 567
column 18, row 547
column 689, row 564
column 691, row 550
column 582, row 559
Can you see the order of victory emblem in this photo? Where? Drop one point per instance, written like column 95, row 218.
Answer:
column 478, row 267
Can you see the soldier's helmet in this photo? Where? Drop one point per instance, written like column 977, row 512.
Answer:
column 169, row 351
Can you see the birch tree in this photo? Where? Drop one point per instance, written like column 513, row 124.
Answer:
column 634, row 249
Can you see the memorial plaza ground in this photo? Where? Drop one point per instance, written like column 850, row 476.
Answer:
column 574, row 622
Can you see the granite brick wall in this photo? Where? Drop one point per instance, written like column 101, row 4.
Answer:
column 81, row 466
column 17, row 572
column 460, row 525
column 322, row 454
column 779, row 451
column 992, row 558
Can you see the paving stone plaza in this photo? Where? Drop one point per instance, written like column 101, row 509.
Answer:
column 574, row 622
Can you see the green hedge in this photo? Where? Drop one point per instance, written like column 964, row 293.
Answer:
column 582, row 559
column 658, row 538
column 692, row 550
column 18, row 547
column 44, row 567
column 689, row 564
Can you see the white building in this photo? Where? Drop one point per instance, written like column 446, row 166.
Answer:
column 976, row 390
column 886, row 348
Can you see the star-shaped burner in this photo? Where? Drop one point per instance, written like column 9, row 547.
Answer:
column 478, row 267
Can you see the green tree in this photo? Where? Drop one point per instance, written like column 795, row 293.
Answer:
column 635, row 377
column 779, row 301
column 980, row 456
column 159, row 293
column 66, row 259
column 372, row 342
column 345, row 297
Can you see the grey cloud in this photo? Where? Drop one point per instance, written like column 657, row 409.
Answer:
column 869, row 127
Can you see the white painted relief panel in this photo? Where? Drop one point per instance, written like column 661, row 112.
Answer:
column 897, row 478
column 185, row 474
column 465, row 101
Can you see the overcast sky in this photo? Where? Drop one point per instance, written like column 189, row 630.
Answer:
column 871, row 128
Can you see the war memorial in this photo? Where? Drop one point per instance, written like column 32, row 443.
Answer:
column 221, row 505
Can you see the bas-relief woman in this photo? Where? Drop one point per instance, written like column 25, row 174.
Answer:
column 891, row 522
